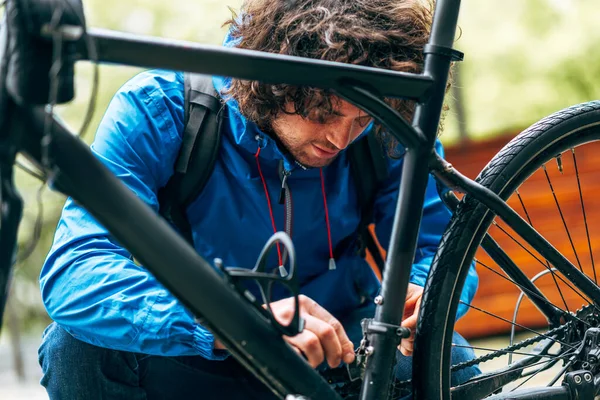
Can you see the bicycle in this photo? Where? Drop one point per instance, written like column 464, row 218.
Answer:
column 43, row 40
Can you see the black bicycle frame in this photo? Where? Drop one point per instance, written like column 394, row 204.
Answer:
column 245, row 332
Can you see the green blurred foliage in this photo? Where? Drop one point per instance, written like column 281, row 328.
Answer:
column 524, row 59
column 199, row 21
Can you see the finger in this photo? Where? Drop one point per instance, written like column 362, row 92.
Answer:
column 411, row 322
column 406, row 347
column 407, row 344
column 412, row 299
column 297, row 350
column 319, row 312
column 412, row 303
column 308, row 344
column 328, row 338
column 219, row 345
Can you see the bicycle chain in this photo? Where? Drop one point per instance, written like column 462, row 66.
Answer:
column 495, row 354
column 350, row 387
column 509, row 349
column 407, row 384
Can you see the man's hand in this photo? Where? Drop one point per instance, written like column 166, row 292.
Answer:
column 323, row 337
column 412, row 304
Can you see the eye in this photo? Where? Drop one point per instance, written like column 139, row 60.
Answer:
column 364, row 120
column 322, row 118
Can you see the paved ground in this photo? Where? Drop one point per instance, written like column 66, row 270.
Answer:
column 12, row 389
column 10, row 386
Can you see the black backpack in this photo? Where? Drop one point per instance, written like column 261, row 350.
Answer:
column 200, row 148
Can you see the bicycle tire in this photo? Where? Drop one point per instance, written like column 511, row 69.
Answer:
column 510, row 168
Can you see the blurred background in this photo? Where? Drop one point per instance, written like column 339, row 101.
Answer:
column 523, row 60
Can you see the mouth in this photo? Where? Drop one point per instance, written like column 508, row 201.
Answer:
column 322, row 153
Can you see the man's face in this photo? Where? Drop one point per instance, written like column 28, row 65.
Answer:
column 315, row 144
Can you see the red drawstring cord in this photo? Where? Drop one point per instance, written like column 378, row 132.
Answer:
column 262, row 178
column 331, row 259
column 264, row 183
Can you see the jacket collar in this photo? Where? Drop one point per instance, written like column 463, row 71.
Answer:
column 246, row 134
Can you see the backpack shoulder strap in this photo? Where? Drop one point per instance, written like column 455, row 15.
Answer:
column 369, row 169
column 198, row 152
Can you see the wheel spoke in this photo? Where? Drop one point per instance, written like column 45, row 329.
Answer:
column 546, row 261
column 562, row 217
column 516, row 324
column 561, row 372
column 587, row 232
column 544, row 265
column 549, row 364
column 530, row 293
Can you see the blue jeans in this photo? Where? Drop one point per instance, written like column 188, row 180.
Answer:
column 77, row 370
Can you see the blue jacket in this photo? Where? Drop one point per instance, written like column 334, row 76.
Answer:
column 93, row 289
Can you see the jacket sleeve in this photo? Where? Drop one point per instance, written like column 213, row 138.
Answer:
column 434, row 221
column 90, row 284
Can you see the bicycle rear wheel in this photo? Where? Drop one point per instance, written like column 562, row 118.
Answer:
column 550, row 174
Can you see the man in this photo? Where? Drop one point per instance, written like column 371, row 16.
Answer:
column 119, row 333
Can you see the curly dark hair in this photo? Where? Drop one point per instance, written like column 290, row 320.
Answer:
column 387, row 34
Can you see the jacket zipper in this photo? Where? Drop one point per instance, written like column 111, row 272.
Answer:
column 285, row 197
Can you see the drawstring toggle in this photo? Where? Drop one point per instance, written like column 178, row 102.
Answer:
column 282, row 271
column 331, row 264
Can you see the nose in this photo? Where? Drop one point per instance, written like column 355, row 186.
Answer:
column 342, row 134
